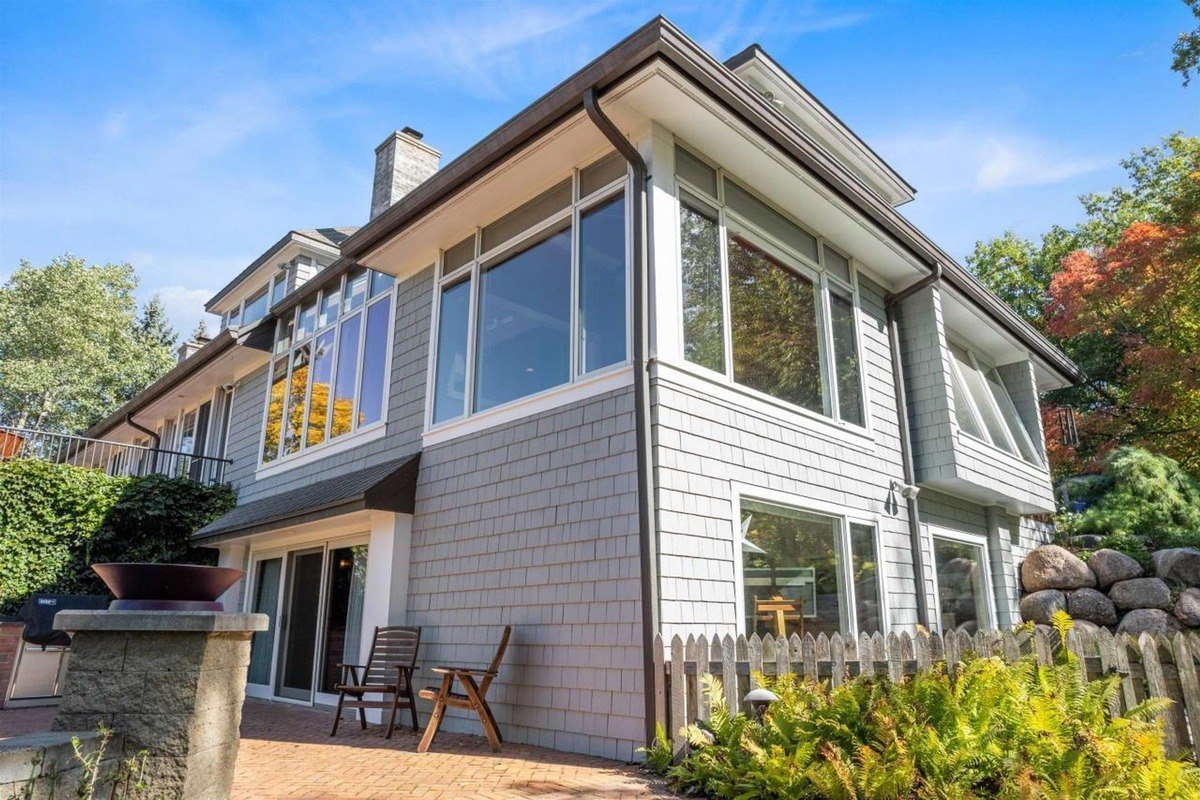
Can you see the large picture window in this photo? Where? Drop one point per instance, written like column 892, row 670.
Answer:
column 329, row 376
column 537, row 299
column 804, row 572
column 766, row 303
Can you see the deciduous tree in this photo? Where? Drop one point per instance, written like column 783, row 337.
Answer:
column 72, row 345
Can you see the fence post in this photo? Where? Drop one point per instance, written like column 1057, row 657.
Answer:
column 660, row 684
column 703, row 655
column 837, row 660
column 1156, row 685
column 1189, row 687
column 678, row 687
column 729, row 674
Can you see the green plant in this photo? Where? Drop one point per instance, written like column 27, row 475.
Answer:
column 1140, row 503
column 56, row 520
column 990, row 730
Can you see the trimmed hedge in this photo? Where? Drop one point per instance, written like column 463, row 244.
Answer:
column 56, row 520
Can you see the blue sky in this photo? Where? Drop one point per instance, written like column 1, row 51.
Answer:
column 185, row 138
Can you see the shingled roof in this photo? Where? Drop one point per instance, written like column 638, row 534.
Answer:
column 390, row 486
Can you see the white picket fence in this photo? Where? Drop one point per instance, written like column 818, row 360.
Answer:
column 1149, row 666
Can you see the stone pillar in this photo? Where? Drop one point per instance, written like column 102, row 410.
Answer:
column 170, row 683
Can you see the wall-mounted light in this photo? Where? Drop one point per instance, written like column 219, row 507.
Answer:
column 908, row 491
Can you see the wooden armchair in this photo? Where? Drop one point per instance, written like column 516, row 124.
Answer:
column 388, row 672
column 473, row 696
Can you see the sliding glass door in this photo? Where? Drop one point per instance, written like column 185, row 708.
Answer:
column 313, row 599
column 299, row 625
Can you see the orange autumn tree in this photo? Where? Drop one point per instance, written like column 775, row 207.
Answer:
column 1139, row 297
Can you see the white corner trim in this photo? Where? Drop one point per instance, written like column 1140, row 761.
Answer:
column 328, row 448
column 548, row 400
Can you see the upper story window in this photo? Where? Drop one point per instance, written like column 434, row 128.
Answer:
column 766, row 303
column 536, row 299
column 253, row 308
column 984, row 408
column 329, row 375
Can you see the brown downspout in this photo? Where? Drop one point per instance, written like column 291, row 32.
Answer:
column 154, row 436
column 641, row 398
column 890, row 304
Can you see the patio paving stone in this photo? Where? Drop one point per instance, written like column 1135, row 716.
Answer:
column 286, row 752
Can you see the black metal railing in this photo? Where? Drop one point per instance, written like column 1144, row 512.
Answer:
column 115, row 458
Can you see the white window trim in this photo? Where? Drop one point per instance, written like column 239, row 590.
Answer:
column 790, row 258
column 579, row 385
column 845, row 517
column 595, row 383
column 933, row 532
column 973, row 410
column 358, row 435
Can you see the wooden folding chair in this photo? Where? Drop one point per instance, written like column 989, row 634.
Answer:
column 473, row 696
column 388, row 672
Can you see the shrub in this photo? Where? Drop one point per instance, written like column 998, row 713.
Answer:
column 1141, row 502
column 56, row 520
column 993, row 730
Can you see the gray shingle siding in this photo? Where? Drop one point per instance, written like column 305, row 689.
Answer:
column 942, row 454
column 534, row 524
column 927, row 384
column 706, row 442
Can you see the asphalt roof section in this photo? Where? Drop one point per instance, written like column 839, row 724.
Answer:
column 390, row 486
column 327, row 237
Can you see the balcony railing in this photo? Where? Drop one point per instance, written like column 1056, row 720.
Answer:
column 115, row 458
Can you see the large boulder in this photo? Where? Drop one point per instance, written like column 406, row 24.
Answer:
column 1187, row 608
column 1113, row 566
column 1141, row 593
column 1054, row 567
column 1179, row 566
column 1040, row 606
column 1148, row 620
column 1091, row 605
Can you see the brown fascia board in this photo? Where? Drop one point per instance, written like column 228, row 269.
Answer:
column 659, row 38
column 175, row 376
column 756, row 49
column 290, row 236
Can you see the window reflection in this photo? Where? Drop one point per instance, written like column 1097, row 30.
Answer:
column 523, row 331
column 703, row 315
column 602, row 322
column 774, row 325
column 450, row 379
column 845, row 358
column 792, row 572
column 961, row 585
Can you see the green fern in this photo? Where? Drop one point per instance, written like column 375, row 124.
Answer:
column 1022, row 731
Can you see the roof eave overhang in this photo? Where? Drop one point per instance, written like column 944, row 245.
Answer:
column 218, row 345
column 661, row 39
column 288, row 238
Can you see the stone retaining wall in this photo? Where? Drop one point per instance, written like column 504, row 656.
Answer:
column 1113, row 590
column 40, row 766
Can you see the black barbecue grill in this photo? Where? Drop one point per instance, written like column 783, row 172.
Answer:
column 38, row 616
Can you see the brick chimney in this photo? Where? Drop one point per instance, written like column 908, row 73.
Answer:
column 402, row 162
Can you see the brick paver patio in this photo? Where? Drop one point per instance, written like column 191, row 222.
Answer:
column 286, row 752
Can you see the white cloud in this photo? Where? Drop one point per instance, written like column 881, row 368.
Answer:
column 185, row 307
column 488, row 53
column 980, row 158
